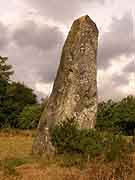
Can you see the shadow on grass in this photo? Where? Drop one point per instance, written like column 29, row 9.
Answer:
column 9, row 165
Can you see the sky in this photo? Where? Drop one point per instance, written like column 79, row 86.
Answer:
column 32, row 34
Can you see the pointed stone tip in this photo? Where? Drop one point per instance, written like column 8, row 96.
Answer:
column 86, row 19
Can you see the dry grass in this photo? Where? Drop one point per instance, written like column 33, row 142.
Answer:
column 18, row 164
column 14, row 147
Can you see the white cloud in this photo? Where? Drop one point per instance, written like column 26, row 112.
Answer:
column 44, row 88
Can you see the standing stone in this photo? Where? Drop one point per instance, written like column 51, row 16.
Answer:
column 74, row 93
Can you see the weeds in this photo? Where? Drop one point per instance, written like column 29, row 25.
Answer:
column 9, row 165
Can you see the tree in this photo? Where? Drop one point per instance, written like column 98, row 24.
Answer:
column 14, row 96
column 5, row 73
column 17, row 97
column 105, row 115
column 117, row 116
column 5, row 69
column 125, row 115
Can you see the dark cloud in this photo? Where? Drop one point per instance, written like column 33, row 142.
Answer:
column 110, row 91
column 112, row 87
column 38, row 50
column 120, row 80
column 56, row 10
column 32, row 65
column 43, row 37
column 4, row 36
column 130, row 68
column 59, row 10
column 118, row 41
column 47, row 71
column 35, row 49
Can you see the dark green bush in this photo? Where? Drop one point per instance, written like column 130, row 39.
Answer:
column 118, row 117
column 29, row 117
column 68, row 138
column 12, row 102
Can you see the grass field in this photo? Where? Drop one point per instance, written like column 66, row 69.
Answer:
column 17, row 163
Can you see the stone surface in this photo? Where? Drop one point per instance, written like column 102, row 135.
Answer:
column 74, row 93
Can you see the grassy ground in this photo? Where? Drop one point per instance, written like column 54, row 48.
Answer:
column 15, row 147
column 17, row 163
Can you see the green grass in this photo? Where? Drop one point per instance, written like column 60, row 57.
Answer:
column 9, row 165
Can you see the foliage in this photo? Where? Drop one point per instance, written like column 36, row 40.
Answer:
column 5, row 72
column 104, row 115
column 29, row 117
column 17, row 96
column 5, row 69
column 14, row 96
column 68, row 138
column 117, row 116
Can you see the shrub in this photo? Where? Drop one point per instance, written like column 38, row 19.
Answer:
column 68, row 138
column 29, row 117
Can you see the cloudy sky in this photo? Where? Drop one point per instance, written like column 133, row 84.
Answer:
column 32, row 33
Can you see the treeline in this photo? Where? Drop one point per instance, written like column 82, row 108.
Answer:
column 19, row 107
column 117, row 117
column 18, row 103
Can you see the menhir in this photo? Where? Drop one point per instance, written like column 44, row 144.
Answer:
column 74, row 94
